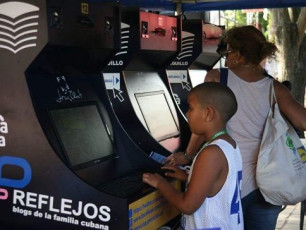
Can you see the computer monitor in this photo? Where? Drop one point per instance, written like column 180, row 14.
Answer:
column 157, row 115
column 83, row 134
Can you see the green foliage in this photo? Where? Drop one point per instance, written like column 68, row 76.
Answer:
column 233, row 18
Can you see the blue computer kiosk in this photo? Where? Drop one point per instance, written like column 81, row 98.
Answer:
column 198, row 55
column 61, row 142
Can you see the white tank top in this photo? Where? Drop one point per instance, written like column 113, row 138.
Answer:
column 246, row 126
column 222, row 211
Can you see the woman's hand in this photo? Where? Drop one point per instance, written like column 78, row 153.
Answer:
column 176, row 159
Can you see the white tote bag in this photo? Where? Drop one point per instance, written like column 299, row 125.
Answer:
column 281, row 166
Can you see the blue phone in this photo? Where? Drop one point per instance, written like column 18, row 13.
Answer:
column 157, row 157
column 161, row 159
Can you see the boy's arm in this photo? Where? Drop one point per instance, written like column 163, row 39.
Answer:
column 208, row 176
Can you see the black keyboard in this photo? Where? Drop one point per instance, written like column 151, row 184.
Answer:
column 126, row 186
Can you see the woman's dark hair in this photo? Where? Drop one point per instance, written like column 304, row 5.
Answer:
column 250, row 42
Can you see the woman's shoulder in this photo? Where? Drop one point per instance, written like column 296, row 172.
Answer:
column 283, row 95
column 281, row 91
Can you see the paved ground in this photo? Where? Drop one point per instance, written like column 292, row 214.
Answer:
column 289, row 218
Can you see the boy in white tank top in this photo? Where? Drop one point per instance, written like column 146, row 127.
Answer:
column 212, row 196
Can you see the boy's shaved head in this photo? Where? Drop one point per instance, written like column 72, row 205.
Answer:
column 217, row 95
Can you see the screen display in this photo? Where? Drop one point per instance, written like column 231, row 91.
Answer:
column 157, row 115
column 83, row 134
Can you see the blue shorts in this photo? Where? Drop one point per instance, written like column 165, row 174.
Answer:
column 259, row 214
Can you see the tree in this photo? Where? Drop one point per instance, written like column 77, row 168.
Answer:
column 289, row 25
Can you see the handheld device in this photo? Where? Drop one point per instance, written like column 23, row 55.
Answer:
column 157, row 157
column 161, row 159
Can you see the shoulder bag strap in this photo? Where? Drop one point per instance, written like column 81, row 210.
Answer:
column 273, row 99
column 223, row 76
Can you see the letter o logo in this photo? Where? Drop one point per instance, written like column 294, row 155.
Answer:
column 16, row 161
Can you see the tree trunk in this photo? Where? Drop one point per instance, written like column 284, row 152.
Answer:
column 292, row 47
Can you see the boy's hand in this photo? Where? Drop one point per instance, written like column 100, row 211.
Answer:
column 175, row 172
column 176, row 159
column 152, row 179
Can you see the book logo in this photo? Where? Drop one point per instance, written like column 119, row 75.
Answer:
column 18, row 26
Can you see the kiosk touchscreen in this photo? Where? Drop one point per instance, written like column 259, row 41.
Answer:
column 83, row 134
column 154, row 107
column 198, row 55
column 161, row 123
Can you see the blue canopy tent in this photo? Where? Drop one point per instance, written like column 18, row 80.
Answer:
column 204, row 5
column 243, row 4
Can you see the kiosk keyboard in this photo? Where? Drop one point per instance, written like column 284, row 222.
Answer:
column 125, row 186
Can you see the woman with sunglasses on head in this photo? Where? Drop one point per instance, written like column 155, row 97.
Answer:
column 246, row 48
